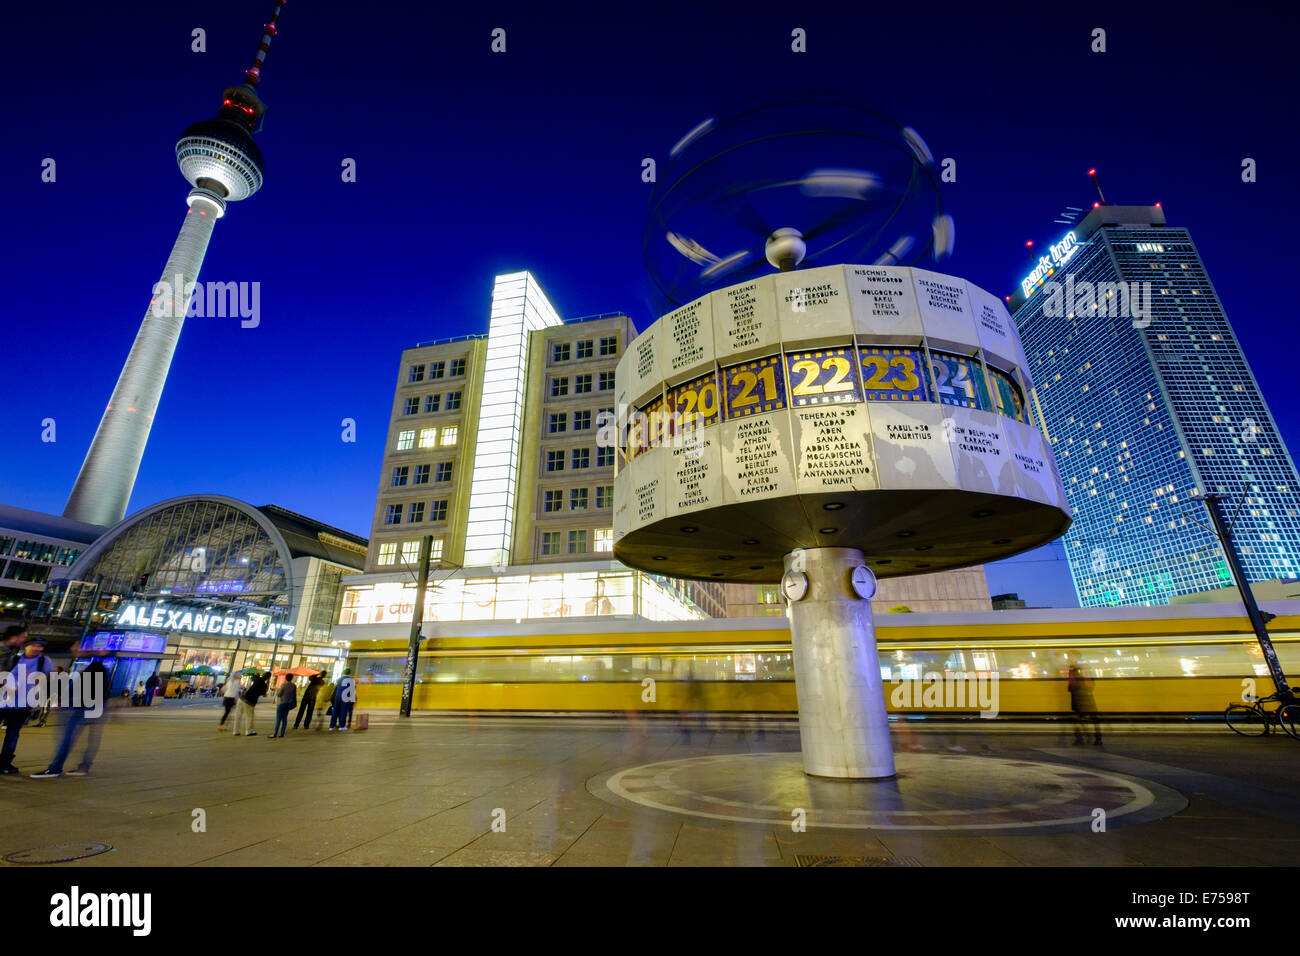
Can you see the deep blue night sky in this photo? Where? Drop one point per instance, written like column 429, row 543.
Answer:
column 471, row 163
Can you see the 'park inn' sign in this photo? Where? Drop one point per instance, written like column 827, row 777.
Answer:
column 200, row 622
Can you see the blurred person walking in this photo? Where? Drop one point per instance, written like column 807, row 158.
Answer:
column 94, row 690
column 245, row 709
column 1083, row 705
column 287, row 700
column 308, row 700
column 325, row 700
column 229, row 697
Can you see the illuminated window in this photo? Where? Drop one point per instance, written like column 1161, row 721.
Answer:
column 552, row 500
column 550, row 542
column 432, row 402
column 604, row 496
column 428, row 437
column 609, row 346
column 449, row 435
column 388, row 552
column 582, row 420
column 435, row 550
column 421, row 475
column 410, row 552
column 417, row 374
column 457, row 367
column 581, row 384
column 453, row 401
column 416, row 512
column 405, row 439
column 436, row 369
column 577, row 499
column 577, row 542
column 558, row 423
column 560, row 353
column 604, row 539
column 606, row 381
column 581, row 458
column 412, row 406
column 444, row 471
column 438, row 510
column 393, row 515
column 605, row 457
column 559, row 387
column 555, row 461
column 584, row 349
column 399, row 475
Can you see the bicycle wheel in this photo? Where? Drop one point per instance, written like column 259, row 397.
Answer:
column 1289, row 717
column 1246, row 721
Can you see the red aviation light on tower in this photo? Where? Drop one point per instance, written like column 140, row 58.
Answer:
column 254, row 72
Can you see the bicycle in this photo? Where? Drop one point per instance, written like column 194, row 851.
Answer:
column 1254, row 720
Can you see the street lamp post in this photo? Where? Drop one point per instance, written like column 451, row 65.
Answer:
column 417, row 618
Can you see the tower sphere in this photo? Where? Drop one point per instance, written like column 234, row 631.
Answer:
column 216, row 152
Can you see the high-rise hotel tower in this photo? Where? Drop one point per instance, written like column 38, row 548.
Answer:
column 223, row 164
column 1149, row 403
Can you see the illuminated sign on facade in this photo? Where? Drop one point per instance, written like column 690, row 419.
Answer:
column 200, row 622
column 1059, row 255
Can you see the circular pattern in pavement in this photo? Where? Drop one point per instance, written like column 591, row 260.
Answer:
column 57, row 853
column 933, row 791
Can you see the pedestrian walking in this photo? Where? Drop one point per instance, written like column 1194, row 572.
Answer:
column 308, row 700
column 11, row 715
column 345, row 696
column 229, row 697
column 325, row 700
column 1083, row 705
column 22, row 673
column 151, row 688
column 94, row 691
column 244, row 712
column 287, row 698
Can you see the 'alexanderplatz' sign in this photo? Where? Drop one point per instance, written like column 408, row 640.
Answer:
column 159, row 615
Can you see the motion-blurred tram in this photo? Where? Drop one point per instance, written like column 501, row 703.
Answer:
column 1171, row 661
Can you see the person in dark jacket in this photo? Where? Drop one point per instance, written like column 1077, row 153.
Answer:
column 256, row 690
column 1083, row 705
column 308, row 705
column 151, row 688
column 12, row 717
column 345, row 697
column 286, row 700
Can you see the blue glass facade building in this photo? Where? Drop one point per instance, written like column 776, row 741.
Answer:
column 1149, row 402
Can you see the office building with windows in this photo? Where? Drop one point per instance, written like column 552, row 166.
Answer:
column 1149, row 402
column 35, row 547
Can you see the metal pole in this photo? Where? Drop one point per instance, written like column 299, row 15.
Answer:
column 1247, row 596
column 417, row 618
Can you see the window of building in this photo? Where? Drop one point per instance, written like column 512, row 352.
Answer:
column 582, row 420
column 410, row 552
column 428, row 437
column 609, row 345
column 605, row 457
column 405, row 439
column 557, row 424
column 453, row 401
column 606, row 381
column 560, row 353
column 417, row 374
column 550, row 542
column 399, row 475
column 457, row 367
column 412, row 406
column 604, row 539
column 436, row 369
column 415, row 513
column 578, row 542
column 604, row 496
column 444, row 471
column 584, row 349
column 581, row 458
column 559, row 387
column 581, row 384
column 421, row 474
column 555, row 461
column 552, row 500
column 432, row 402
column 449, row 434
column 393, row 515
column 388, row 552
column 435, row 550
column 577, row 499
column 438, row 510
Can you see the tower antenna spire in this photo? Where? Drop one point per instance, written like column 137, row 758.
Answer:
column 1092, row 173
column 254, row 72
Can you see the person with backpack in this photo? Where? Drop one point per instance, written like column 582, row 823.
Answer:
column 257, row 689
column 22, row 672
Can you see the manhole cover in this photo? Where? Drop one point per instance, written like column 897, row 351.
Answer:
column 57, row 853
column 801, row 860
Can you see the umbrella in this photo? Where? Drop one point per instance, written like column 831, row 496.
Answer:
column 250, row 670
column 202, row 670
column 300, row 671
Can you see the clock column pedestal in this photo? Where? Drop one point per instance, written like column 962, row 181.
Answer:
column 843, row 726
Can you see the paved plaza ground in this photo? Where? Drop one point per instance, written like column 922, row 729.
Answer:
column 581, row 792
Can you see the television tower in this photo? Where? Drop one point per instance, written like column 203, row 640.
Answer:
column 220, row 160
